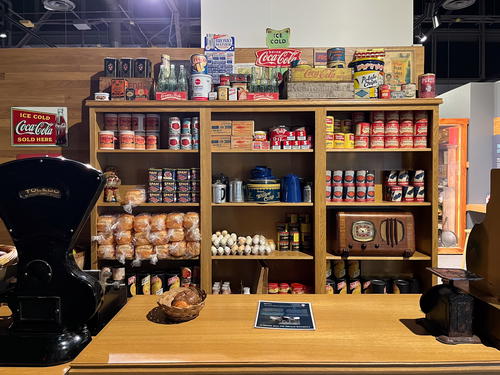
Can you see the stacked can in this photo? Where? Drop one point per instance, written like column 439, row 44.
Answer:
column 350, row 186
column 283, row 138
column 174, row 133
column 346, row 277
column 404, row 186
column 329, row 132
column 152, row 131
column 169, row 185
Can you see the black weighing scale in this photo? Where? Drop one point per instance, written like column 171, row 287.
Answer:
column 44, row 203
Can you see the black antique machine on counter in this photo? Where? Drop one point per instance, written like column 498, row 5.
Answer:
column 466, row 307
column 44, row 203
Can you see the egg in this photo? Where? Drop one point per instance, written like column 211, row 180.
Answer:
column 227, row 250
column 216, row 242
column 224, row 233
column 267, row 249
column 218, row 233
column 247, row 249
column 214, row 236
column 234, row 236
column 272, row 245
column 220, row 250
column 241, row 249
column 234, row 249
column 255, row 239
column 255, row 250
column 262, row 249
column 241, row 240
column 214, row 250
column 262, row 240
column 230, row 242
column 223, row 241
column 248, row 240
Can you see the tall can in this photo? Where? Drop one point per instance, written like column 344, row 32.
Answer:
column 186, row 126
column 196, row 141
column 201, row 85
column 195, row 125
column 126, row 67
column 110, row 67
column 198, row 64
column 427, row 85
column 335, row 57
column 236, row 191
column 186, row 142
column 174, row 125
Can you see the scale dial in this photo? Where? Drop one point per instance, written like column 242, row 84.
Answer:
column 363, row 231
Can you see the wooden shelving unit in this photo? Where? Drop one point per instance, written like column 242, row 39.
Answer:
column 111, row 204
column 310, row 163
column 371, row 150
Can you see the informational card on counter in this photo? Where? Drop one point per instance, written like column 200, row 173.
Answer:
column 285, row 315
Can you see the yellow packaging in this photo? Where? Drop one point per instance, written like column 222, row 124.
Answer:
column 338, row 140
column 349, row 140
column 329, row 124
column 221, row 127
column 329, row 144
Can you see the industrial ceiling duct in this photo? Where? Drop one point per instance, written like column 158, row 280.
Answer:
column 457, row 4
column 59, row 5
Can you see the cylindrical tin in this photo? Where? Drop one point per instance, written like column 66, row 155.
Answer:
column 361, row 193
column 370, row 193
column 391, row 141
column 152, row 122
column 406, row 127
column 126, row 67
column 329, row 124
column 186, row 126
column 307, row 194
column 236, row 191
column 338, row 140
column 361, row 141
column 377, row 141
column 195, row 186
column 377, row 128
column 419, row 193
column 377, row 116
column 384, row 92
column 362, row 128
column 184, row 186
column 409, row 90
column 349, row 140
column 420, row 116
column 186, row 142
column 152, row 141
column 169, row 197
column 421, row 128
column 140, row 140
column 276, row 144
column 391, row 116
column 346, row 126
column 427, row 85
column 337, row 193
column 391, row 178
column 361, row 176
column 224, row 80
column 138, row 122
column 300, row 135
column 396, row 193
column 370, row 177
column 358, row 116
column 392, row 127
column 418, row 177
column 335, row 57
column 408, row 193
column 174, row 125
column 124, row 121
column 348, row 177
column 406, row 141
column 222, row 92
column 169, row 186
column 142, row 67
column 174, row 141
column 420, row 142
column 127, row 140
column 201, row 85
column 296, row 145
column 259, row 135
column 198, row 64
column 194, row 174
column 349, row 193
column 111, row 121
column 106, row 140
column 403, row 178
column 286, row 145
column 143, row 283
column 110, row 67
column 219, row 193
column 405, row 116
column 328, row 176
column 195, row 125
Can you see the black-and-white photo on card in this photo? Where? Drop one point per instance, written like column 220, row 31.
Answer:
column 285, row 315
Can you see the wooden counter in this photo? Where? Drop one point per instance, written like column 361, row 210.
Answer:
column 52, row 370
column 356, row 334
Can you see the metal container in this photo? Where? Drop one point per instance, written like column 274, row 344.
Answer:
column 201, row 84
column 219, row 192
column 126, row 67
column 236, row 193
column 198, row 64
column 110, row 67
column 142, row 67
column 263, row 190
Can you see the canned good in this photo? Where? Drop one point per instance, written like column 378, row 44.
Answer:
column 300, row 135
column 328, row 176
column 142, row 68
column 361, row 141
column 354, row 286
column 329, row 124
column 126, row 65
column 224, row 80
column 340, row 286
column 152, row 141
column 124, row 121
column 289, row 135
column 169, row 197
column 138, row 122
column 154, row 175
column 260, row 135
column 391, row 116
column 403, row 178
column 184, row 197
column 272, row 288
column 110, row 67
column 152, row 122
column 408, row 193
column 186, row 126
column 168, row 174
column 421, row 128
column 335, row 57
column 418, row 177
column 349, row 140
column 186, row 142
column 143, row 284
column 286, row 145
column 377, row 141
column 275, row 144
column 349, row 193
column 196, row 141
column 106, row 140
column 361, row 193
column 419, row 193
column 183, row 186
column 338, row 140
column 174, row 125
column 392, row 127
column 396, row 193
column 198, row 63
column 111, row 121
column 420, row 141
column 295, row 145
column 222, row 92
column 361, row 177
column 346, row 126
column 377, row 115
column 427, row 85
column 201, row 85
column 370, row 177
column 140, row 140
column 409, row 90
column 194, row 174
column 420, row 115
column 384, row 92
column 362, row 128
column 405, row 116
column 154, row 198
column 337, row 126
column 157, row 284
column 406, row 141
column 195, row 125
column 377, row 128
column 348, row 176
column 337, row 193
column 195, row 197
column 195, row 186
column 183, row 174
column 174, row 141
column 392, row 178
column 406, row 127
column 169, row 186
column 127, row 140
column 370, row 193
column 329, row 144
column 328, row 192
column 391, row 141
column 358, row 116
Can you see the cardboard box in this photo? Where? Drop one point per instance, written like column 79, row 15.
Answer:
column 241, row 142
column 261, row 145
column 319, row 75
column 319, row 90
column 243, row 128
column 221, row 142
column 368, row 93
column 221, row 127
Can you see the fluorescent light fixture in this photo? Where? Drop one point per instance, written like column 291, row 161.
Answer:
column 3, row 35
column 435, row 21
column 82, row 25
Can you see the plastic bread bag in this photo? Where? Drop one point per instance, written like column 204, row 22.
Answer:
column 106, row 223
column 175, row 220
column 124, row 222
column 177, row 249
column 104, row 238
column 159, row 238
column 142, row 222
column 191, row 220
column 123, row 237
column 193, row 234
column 141, row 239
column 124, row 252
column 158, row 222
column 162, row 251
column 133, row 198
column 106, row 252
column 175, row 235
column 192, row 249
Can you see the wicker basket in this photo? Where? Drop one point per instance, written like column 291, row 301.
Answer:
column 181, row 314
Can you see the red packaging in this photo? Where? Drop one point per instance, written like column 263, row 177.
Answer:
column 362, row 128
column 378, row 115
column 140, row 141
column 391, row 116
column 186, row 142
column 124, row 121
column 360, row 177
column 377, row 128
column 328, row 192
column 111, row 121
column 337, row 193
column 275, row 144
column 361, row 141
column 427, row 85
column 151, row 141
column 337, row 176
column 370, row 177
column 300, row 135
column 350, row 193
column 370, row 193
column 377, row 141
column 328, row 176
column 420, row 142
column 348, row 177
column 391, row 141
column 421, row 128
column 174, row 125
column 290, row 135
column 361, row 193
column 406, row 127
column 392, row 127
column 152, row 122
column 419, row 193
column 406, row 141
column 305, row 145
column 396, row 193
column 174, row 142
column 295, row 145
column 408, row 193
column 286, row 145
column 406, row 116
column 384, row 92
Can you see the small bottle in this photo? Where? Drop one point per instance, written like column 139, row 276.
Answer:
column 162, row 83
column 246, row 290
column 264, row 82
column 274, row 80
column 172, row 79
column 307, row 194
column 182, row 84
column 252, row 86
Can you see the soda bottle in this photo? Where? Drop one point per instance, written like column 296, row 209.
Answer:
column 172, row 79
column 182, row 84
column 61, row 128
column 161, row 84
column 252, row 86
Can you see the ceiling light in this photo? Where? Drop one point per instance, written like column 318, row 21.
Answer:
column 3, row 35
column 422, row 37
column 82, row 25
column 59, row 5
column 457, row 4
column 27, row 23
column 435, row 21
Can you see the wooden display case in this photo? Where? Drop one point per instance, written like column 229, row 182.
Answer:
column 249, row 217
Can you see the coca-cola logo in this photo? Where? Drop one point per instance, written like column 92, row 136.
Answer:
column 41, row 128
column 277, row 57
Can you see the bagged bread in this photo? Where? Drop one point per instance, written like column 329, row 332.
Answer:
column 106, row 223
column 104, row 238
column 123, row 237
column 162, row 251
column 124, row 252
column 193, row 234
column 175, row 220
column 191, row 220
column 141, row 238
column 105, row 252
column 124, row 222
column 142, row 223
column 177, row 249
column 144, row 252
column 175, row 235
column 159, row 238
column 132, row 198
column 192, row 249
column 158, row 222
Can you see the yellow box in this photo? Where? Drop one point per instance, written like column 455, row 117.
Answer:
column 243, row 128
column 221, row 127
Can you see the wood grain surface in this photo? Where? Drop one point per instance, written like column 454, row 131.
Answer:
column 355, row 334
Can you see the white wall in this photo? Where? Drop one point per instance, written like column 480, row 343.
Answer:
column 456, row 103
column 313, row 23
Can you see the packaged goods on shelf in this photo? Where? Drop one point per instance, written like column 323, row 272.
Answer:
column 350, row 186
column 404, row 186
column 288, row 288
column 295, row 234
column 225, row 243
column 169, row 185
column 158, row 282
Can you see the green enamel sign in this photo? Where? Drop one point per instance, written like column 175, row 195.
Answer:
column 278, row 38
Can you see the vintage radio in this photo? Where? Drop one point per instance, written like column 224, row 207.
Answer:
column 375, row 234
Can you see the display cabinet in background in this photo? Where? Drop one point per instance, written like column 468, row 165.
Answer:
column 452, row 185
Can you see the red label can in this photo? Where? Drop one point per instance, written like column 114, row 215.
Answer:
column 391, row 177
column 384, row 92
column 362, row 128
column 361, row 193
column 377, row 128
column 124, row 121
column 391, row 116
column 152, row 141
column 420, row 142
column 408, row 193
column 152, row 122
column 300, row 135
column 419, row 193
column 370, row 193
column 186, row 142
column 421, row 115
column 328, row 192
column 174, row 141
column 361, row 141
column 391, row 141
column 396, row 193
column 406, row 141
column 295, row 145
column 111, row 121
column 349, row 193
column 427, row 85
column 140, row 140
column 392, row 127
column 377, row 141
column 286, row 145
column 328, row 176
column 225, row 80
column 406, row 127
column 406, row 116
column 106, row 140
column 361, row 177
column 275, row 144
column 174, row 125
column 337, row 176
column 349, row 177
column 290, row 135
column 370, row 177
column 127, row 139
column 421, row 128
column 337, row 193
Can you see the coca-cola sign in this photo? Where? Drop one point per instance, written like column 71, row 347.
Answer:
column 277, row 57
column 39, row 126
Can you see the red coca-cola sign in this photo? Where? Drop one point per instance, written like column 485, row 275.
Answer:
column 39, row 126
column 277, row 57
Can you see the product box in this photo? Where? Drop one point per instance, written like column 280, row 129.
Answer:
column 241, row 142
column 171, row 95
column 319, row 74
column 118, row 89
column 221, row 141
column 263, row 96
column 367, row 93
column 243, row 128
column 261, row 145
column 221, row 127
column 319, row 90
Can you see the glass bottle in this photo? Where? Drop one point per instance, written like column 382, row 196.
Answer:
column 252, row 86
column 264, row 81
column 161, row 84
column 182, row 84
column 172, row 79
column 274, row 80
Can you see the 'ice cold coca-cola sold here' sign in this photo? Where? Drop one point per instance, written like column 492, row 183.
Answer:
column 39, row 126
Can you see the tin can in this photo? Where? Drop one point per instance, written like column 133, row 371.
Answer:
column 384, row 92
column 329, row 124
column 124, row 121
column 349, row 193
column 420, row 115
column 377, row 141
column 403, row 178
column 198, row 64
column 186, row 142
column 169, row 198
column 110, row 67
column 195, row 125
column 275, row 144
column 154, row 175
column 295, row 145
column 138, row 122
column 376, row 116
column 361, row 177
column 346, row 126
column 183, row 174
column 328, row 191
column 391, row 116
column 406, row 127
column 340, row 286
column 260, row 135
column 396, row 193
column 194, row 173
column 419, row 193
column 427, row 85
column 391, row 141
column 338, row 140
column 195, row 197
column 370, row 177
column 405, row 116
column 337, row 126
column 127, row 140
column 421, row 128
column 354, row 286
column 289, row 135
column 409, row 90
column 392, row 127
column 106, row 140
column 361, row 193
column 328, row 176
column 307, row 194
column 168, row 174
column 196, row 141
column 184, row 197
column 143, row 284
column 337, row 193
column 154, row 198
column 222, row 93
column 361, row 141
column 362, row 128
column 335, row 57
column 152, row 140
column 174, row 125
column 184, row 186
column 406, row 141
column 377, row 128
column 337, row 176
column 142, row 67
column 224, row 80
column 140, row 140
column 300, row 135
column 174, row 141
column 152, row 122
column 348, row 176
column 186, row 126
column 358, row 116
column 154, row 187
column 126, row 67
column 111, row 121
column 370, row 193
column 286, row 145
column 201, row 84
column 408, row 193
column 349, row 140
column 328, row 144
column 236, row 191
column 195, row 186
column 169, row 186
column 418, row 177
column 419, row 141
column 391, row 178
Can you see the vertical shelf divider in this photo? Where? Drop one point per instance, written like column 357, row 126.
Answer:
column 95, row 163
column 434, row 193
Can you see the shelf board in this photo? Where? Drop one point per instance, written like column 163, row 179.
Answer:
column 147, row 151
column 232, row 151
column 378, row 204
column 287, row 255
column 476, row 207
column 381, row 150
column 253, row 204
column 416, row 256
column 112, row 204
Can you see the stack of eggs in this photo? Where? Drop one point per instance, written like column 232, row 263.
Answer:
column 224, row 243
